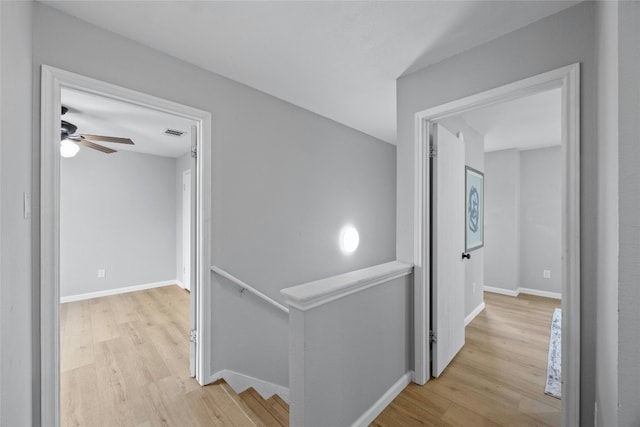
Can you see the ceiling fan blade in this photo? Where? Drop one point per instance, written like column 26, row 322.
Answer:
column 95, row 146
column 107, row 139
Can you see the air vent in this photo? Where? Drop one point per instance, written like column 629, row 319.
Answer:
column 174, row 132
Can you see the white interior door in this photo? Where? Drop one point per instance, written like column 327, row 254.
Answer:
column 186, row 229
column 190, row 250
column 447, row 272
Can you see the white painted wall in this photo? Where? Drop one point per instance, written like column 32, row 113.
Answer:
column 559, row 40
column 502, row 216
column 607, row 292
column 629, row 206
column 183, row 163
column 19, row 362
column 284, row 182
column 540, row 219
column 117, row 212
column 353, row 350
column 523, row 205
column 474, row 157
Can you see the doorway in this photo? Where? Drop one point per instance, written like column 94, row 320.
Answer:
column 53, row 82
column 567, row 80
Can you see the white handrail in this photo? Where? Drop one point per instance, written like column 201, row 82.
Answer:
column 313, row 294
column 245, row 287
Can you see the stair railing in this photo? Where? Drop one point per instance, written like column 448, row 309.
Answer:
column 246, row 287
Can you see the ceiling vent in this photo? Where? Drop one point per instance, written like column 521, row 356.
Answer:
column 174, row 132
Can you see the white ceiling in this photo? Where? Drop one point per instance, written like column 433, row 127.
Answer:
column 339, row 59
column 525, row 123
column 98, row 115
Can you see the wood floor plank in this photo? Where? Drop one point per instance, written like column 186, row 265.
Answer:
column 460, row 416
column 103, row 320
column 81, row 408
column 497, row 378
column 125, row 362
column 77, row 342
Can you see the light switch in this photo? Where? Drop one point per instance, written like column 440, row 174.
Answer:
column 27, row 205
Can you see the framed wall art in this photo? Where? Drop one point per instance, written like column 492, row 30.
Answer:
column 474, row 209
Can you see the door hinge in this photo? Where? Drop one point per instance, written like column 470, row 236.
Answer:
column 194, row 151
column 192, row 336
column 432, row 151
column 432, row 337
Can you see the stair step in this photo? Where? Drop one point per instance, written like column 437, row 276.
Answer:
column 273, row 412
column 241, row 404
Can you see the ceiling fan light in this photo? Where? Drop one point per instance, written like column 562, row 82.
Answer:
column 68, row 148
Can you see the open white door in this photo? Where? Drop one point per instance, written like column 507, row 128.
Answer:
column 447, row 231
column 190, row 265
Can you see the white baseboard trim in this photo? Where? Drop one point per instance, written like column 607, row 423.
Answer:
column 384, row 401
column 90, row 295
column 528, row 291
column 240, row 382
column 179, row 283
column 474, row 313
column 509, row 292
column 546, row 294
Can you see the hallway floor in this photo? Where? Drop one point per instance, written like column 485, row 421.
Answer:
column 125, row 362
column 498, row 377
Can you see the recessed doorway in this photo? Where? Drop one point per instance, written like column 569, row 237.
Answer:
column 55, row 83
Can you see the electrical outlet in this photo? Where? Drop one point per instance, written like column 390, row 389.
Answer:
column 474, row 287
column 546, row 274
column 101, row 273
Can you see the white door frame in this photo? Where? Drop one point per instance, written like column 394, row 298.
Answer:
column 53, row 80
column 186, row 249
column 568, row 80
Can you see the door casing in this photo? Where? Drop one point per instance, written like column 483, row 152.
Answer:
column 568, row 80
column 53, row 80
column 186, row 229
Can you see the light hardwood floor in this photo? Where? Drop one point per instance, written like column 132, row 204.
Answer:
column 125, row 362
column 498, row 377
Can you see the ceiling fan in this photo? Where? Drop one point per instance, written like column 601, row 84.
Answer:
column 70, row 140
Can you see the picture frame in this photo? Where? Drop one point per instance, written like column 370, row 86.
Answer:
column 474, row 209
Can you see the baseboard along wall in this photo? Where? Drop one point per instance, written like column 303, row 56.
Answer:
column 527, row 291
column 127, row 289
column 240, row 382
column 376, row 409
column 474, row 313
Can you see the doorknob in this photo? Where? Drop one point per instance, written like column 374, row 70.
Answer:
column 466, row 255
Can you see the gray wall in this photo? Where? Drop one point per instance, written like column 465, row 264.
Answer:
column 618, row 367
column 354, row 350
column 559, row 40
column 540, row 219
column 523, row 205
column 607, row 293
column 117, row 212
column 18, row 366
column 502, row 219
column 182, row 164
column 629, row 205
column 284, row 182
column 474, row 157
